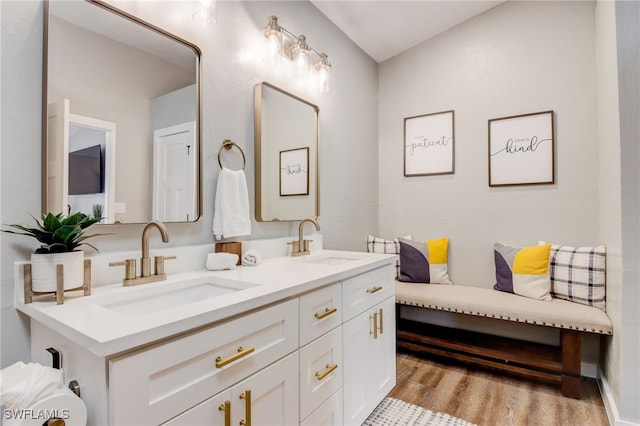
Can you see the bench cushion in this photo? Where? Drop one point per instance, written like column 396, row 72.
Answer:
column 486, row 302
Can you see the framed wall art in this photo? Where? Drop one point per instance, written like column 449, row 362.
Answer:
column 294, row 172
column 521, row 149
column 428, row 144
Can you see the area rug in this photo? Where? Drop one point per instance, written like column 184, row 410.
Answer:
column 394, row 412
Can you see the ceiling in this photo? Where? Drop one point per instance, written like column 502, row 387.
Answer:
column 384, row 28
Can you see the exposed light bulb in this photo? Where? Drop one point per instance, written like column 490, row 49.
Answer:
column 323, row 68
column 302, row 52
column 273, row 49
column 323, row 80
column 204, row 12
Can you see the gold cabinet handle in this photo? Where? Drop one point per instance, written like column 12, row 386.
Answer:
column 326, row 313
column 241, row 353
column 374, row 289
column 226, row 407
column 381, row 321
column 325, row 373
column 246, row 395
column 375, row 325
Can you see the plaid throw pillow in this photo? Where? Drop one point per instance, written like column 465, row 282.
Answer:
column 578, row 274
column 380, row 245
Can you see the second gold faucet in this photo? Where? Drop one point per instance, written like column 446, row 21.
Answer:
column 301, row 247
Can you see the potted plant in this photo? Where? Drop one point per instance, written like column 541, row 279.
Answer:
column 60, row 237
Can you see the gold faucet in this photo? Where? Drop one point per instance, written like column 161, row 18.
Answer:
column 145, row 261
column 301, row 247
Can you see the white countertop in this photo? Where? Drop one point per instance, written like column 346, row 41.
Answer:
column 89, row 322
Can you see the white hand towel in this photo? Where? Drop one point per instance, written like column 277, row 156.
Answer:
column 221, row 261
column 231, row 210
column 251, row 258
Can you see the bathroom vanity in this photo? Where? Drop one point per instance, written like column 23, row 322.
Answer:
column 307, row 340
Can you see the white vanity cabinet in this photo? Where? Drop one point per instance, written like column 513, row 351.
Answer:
column 369, row 338
column 312, row 351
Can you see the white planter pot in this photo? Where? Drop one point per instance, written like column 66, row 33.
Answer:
column 43, row 270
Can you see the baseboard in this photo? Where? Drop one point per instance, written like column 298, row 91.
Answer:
column 588, row 369
column 610, row 403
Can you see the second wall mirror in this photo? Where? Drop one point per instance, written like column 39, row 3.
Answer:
column 122, row 127
column 286, row 154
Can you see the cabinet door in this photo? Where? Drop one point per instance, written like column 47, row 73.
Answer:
column 269, row 397
column 369, row 360
column 214, row 411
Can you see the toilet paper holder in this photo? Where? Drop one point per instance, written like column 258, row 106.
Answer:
column 75, row 387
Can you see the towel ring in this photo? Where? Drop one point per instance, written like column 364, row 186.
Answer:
column 228, row 144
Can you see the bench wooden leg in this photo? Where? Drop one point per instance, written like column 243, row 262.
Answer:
column 571, row 344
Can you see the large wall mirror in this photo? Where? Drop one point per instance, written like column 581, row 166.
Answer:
column 286, row 150
column 121, row 127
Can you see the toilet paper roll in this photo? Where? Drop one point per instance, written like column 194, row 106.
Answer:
column 62, row 404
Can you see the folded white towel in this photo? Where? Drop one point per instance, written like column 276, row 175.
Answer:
column 221, row 261
column 231, row 210
column 251, row 257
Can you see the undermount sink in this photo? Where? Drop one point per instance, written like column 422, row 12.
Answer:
column 328, row 259
column 175, row 295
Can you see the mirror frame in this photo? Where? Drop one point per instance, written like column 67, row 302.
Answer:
column 258, row 145
column 45, row 78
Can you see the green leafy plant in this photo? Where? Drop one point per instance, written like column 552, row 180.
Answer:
column 58, row 233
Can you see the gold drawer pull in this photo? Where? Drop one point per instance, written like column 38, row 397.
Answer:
column 381, row 321
column 326, row 313
column 374, row 290
column 241, row 353
column 246, row 395
column 326, row 372
column 226, row 407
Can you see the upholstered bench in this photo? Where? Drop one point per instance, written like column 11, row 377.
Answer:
column 559, row 364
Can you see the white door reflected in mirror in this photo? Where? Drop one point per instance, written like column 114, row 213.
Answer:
column 174, row 173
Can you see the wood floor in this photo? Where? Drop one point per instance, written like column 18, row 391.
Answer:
column 493, row 399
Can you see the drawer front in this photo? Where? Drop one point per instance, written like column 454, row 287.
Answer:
column 320, row 370
column 152, row 386
column 327, row 414
column 320, row 312
column 366, row 290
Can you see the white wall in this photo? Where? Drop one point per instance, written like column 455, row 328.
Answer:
column 628, row 48
column 517, row 58
column 610, row 182
column 231, row 64
column 523, row 57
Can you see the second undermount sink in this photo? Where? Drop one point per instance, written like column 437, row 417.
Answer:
column 328, row 259
column 172, row 296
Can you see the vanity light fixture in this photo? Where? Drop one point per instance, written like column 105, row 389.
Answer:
column 282, row 43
